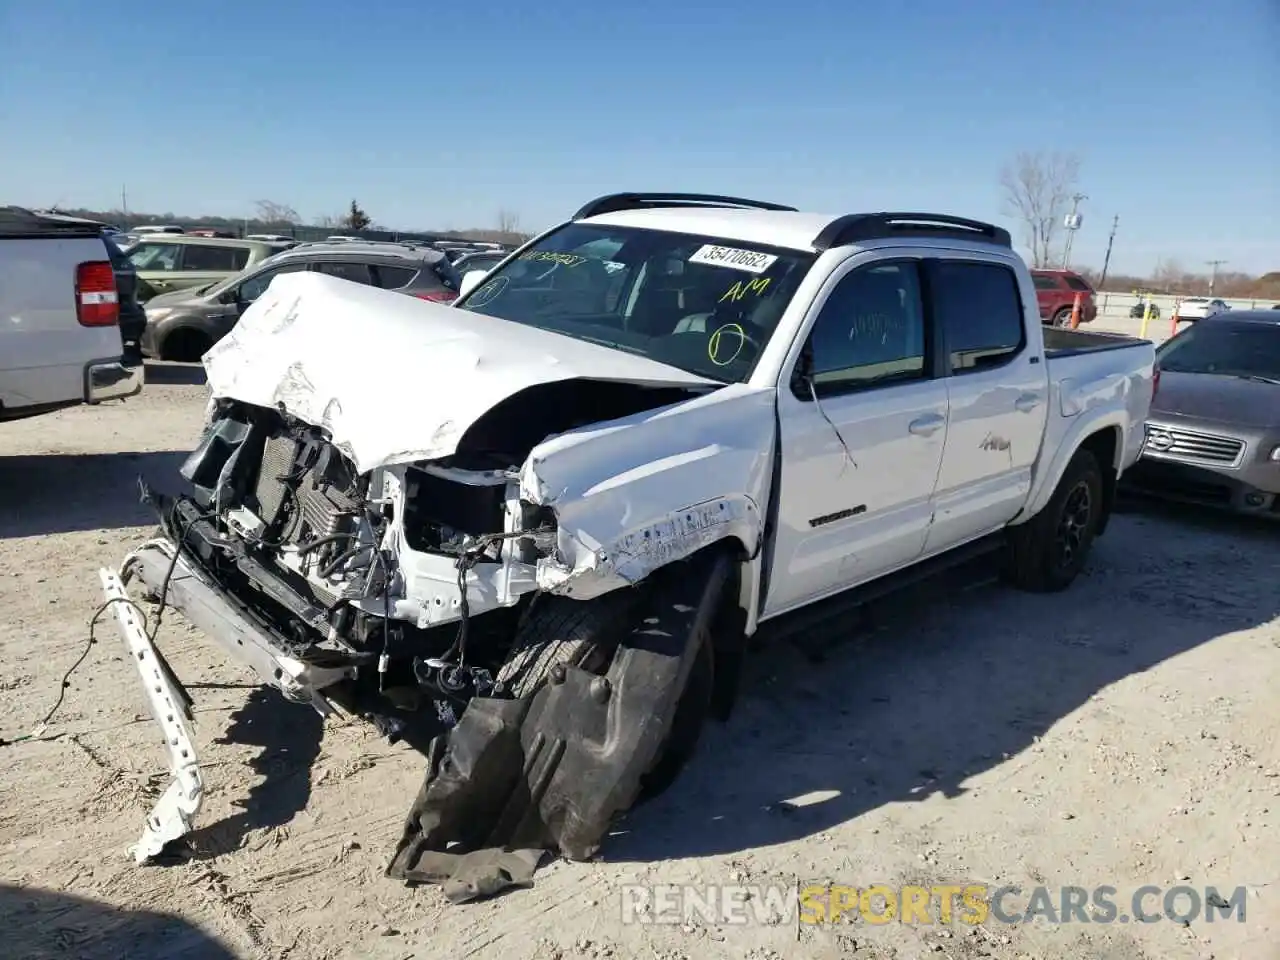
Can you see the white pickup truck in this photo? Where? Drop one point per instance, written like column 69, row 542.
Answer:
column 543, row 523
column 60, row 341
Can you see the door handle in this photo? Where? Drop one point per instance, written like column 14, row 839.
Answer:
column 1027, row 402
column 926, row 426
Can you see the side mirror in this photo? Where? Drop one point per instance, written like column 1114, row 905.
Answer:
column 470, row 280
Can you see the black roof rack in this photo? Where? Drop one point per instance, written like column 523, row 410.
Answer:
column 613, row 202
column 879, row 226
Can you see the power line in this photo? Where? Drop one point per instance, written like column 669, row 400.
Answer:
column 1107, row 260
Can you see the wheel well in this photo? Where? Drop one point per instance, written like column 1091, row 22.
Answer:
column 728, row 631
column 184, row 344
column 1103, row 445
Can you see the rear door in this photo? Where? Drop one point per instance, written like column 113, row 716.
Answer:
column 345, row 270
column 862, row 448
column 998, row 389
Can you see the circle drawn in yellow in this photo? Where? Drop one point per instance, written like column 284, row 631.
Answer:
column 713, row 345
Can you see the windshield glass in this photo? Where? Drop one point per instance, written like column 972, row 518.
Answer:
column 703, row 304
column 1225, row 348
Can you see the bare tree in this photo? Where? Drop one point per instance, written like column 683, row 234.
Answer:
column 329, row 221
column 1037, row 189
column 508, row 221
column 274, row 214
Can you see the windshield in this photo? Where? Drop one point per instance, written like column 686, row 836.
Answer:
column 1250, row 350
column 702, row 304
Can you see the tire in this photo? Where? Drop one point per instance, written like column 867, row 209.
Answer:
column 560, row 631
column 1047, row 553
column 1062, row 318
column 585, row 634
column 184, row 345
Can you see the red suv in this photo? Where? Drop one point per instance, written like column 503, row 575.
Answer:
column 1056, row 291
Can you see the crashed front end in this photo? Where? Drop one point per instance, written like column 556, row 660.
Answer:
column 401, row 593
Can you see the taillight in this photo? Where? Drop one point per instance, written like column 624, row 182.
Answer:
column 438, row 296
column 97, row 302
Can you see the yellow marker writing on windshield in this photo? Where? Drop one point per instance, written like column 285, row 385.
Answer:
column 741, row 289
column 713, row 345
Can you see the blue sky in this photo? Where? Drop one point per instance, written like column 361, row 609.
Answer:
column 437, row 116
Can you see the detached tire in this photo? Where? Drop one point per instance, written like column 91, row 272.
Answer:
column 1047, row 553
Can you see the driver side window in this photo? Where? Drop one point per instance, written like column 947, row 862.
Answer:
column 870, row 330
column 255, row 286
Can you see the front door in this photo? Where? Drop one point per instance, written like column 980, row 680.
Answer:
column 861, row 441
column 998, row 387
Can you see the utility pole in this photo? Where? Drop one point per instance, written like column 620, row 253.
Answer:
column 1106, row 262
column 1213, row 276
column 124, row 201
column 1072, row 225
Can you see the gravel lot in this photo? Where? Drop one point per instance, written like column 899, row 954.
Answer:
column 1122, row 733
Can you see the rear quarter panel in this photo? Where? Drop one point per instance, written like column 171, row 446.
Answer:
column 1108, row 389
column 43, row 347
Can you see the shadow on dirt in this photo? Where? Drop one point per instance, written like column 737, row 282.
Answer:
column 175, row 374
column 66, row 493
column 39, row 924
column 289, row 735
column 949, row 684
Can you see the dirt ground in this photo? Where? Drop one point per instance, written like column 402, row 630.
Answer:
column 1122, row 733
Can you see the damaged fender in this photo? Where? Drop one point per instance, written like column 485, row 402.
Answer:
column 636, row 494
column 515, row 778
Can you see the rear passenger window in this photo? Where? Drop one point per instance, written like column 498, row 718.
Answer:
column 393, row 278
column 1044, row 283
column 870, row 331
column 355, row 272
column 200, row 257
column 1078, row 283
column 978, row 310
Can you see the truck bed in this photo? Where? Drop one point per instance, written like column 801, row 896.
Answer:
column 1062, row 342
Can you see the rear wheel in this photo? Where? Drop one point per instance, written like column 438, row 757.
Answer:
column 1062, row 318
column 185, row 345
column 1047, row 553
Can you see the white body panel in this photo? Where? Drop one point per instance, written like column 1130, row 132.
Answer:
column 44, row 351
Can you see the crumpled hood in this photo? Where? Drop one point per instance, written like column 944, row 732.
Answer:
column 392, row 378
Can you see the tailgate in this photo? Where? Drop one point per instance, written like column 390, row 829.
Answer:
column 43, row 347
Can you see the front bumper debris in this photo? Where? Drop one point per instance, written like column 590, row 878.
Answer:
column 206, row 607
column 513, row 780
column 174, row 813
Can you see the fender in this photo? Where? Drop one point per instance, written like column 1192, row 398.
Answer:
column 635, row 494
column 1077, row 435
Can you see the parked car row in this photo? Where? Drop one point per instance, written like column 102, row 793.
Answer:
column 183, row 324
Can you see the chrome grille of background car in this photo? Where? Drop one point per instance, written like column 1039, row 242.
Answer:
column 1176, row 444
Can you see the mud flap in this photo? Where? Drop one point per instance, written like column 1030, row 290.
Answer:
column 515, row 779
